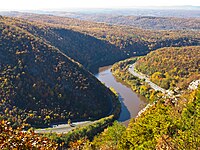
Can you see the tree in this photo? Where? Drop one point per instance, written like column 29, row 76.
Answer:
column 69, row 122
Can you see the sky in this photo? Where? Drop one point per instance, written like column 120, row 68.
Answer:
column 62, row 4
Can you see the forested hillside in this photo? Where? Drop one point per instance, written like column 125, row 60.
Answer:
column 172, row 67
column 166, row 126
column 169, row 123
column 43, row 81
column 121, row 36
column 40, row 85
column 91, row 52
column 17, row 139
column 120, row 42
column 145, row 22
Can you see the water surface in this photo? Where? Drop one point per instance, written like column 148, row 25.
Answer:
column 131, row 102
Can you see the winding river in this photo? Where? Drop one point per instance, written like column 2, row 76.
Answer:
column 131, row 102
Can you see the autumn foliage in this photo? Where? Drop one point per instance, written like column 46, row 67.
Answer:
column 18, row 139
column 172, row 67
column 40, row 85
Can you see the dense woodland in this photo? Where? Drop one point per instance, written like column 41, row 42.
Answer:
column 40, row 85
column 17, row 139
column 121, row 36
column 121, row 73
column 168, row 124
column 164, row 126
column 87, row 50
column 145, row 22
column 172, row 67
column 125, row 41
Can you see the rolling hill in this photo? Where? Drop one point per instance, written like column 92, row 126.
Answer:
column 41, row 82
column 144, row 22
column 169, row 122
column 131, row 41
column 91, row 52
column 40, row 85
column 172, row 67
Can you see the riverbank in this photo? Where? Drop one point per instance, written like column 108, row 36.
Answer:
column 129, row 107
column 65, row 133
column 121, row 73
column 63, row 128
column 154, row 86
column 131, row 102
column 126, row 72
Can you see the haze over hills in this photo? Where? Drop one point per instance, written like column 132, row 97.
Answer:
column 144, row 20
column 185, row 11
column 171, row 11
column 163, row 18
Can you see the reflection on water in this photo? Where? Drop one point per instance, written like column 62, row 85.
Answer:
column 131, row 102
column 125, row 110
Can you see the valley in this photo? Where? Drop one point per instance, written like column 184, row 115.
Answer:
column 131, row 103
column 34, row 73
column 99, row 81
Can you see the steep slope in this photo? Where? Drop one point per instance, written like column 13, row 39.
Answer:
column 40, row 85
column 169, row 123
column 131, row 41
column 17, row 139
column 91, row 52
column 172, row 67
column 163, row 126
column 99, row 44
column 166, row 126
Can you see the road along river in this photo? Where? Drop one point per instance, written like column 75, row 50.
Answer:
column 131, row 102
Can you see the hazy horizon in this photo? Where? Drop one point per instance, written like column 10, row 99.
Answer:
column 23, row 5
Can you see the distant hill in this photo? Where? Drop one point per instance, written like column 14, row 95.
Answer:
column 117, row 42
column 172, row 67
column 174, row 11
column 41, row 85
column 144, row 22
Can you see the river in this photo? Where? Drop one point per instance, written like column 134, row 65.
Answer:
column 131, row 102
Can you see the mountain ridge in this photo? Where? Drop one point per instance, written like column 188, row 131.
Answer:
column 39, row 83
